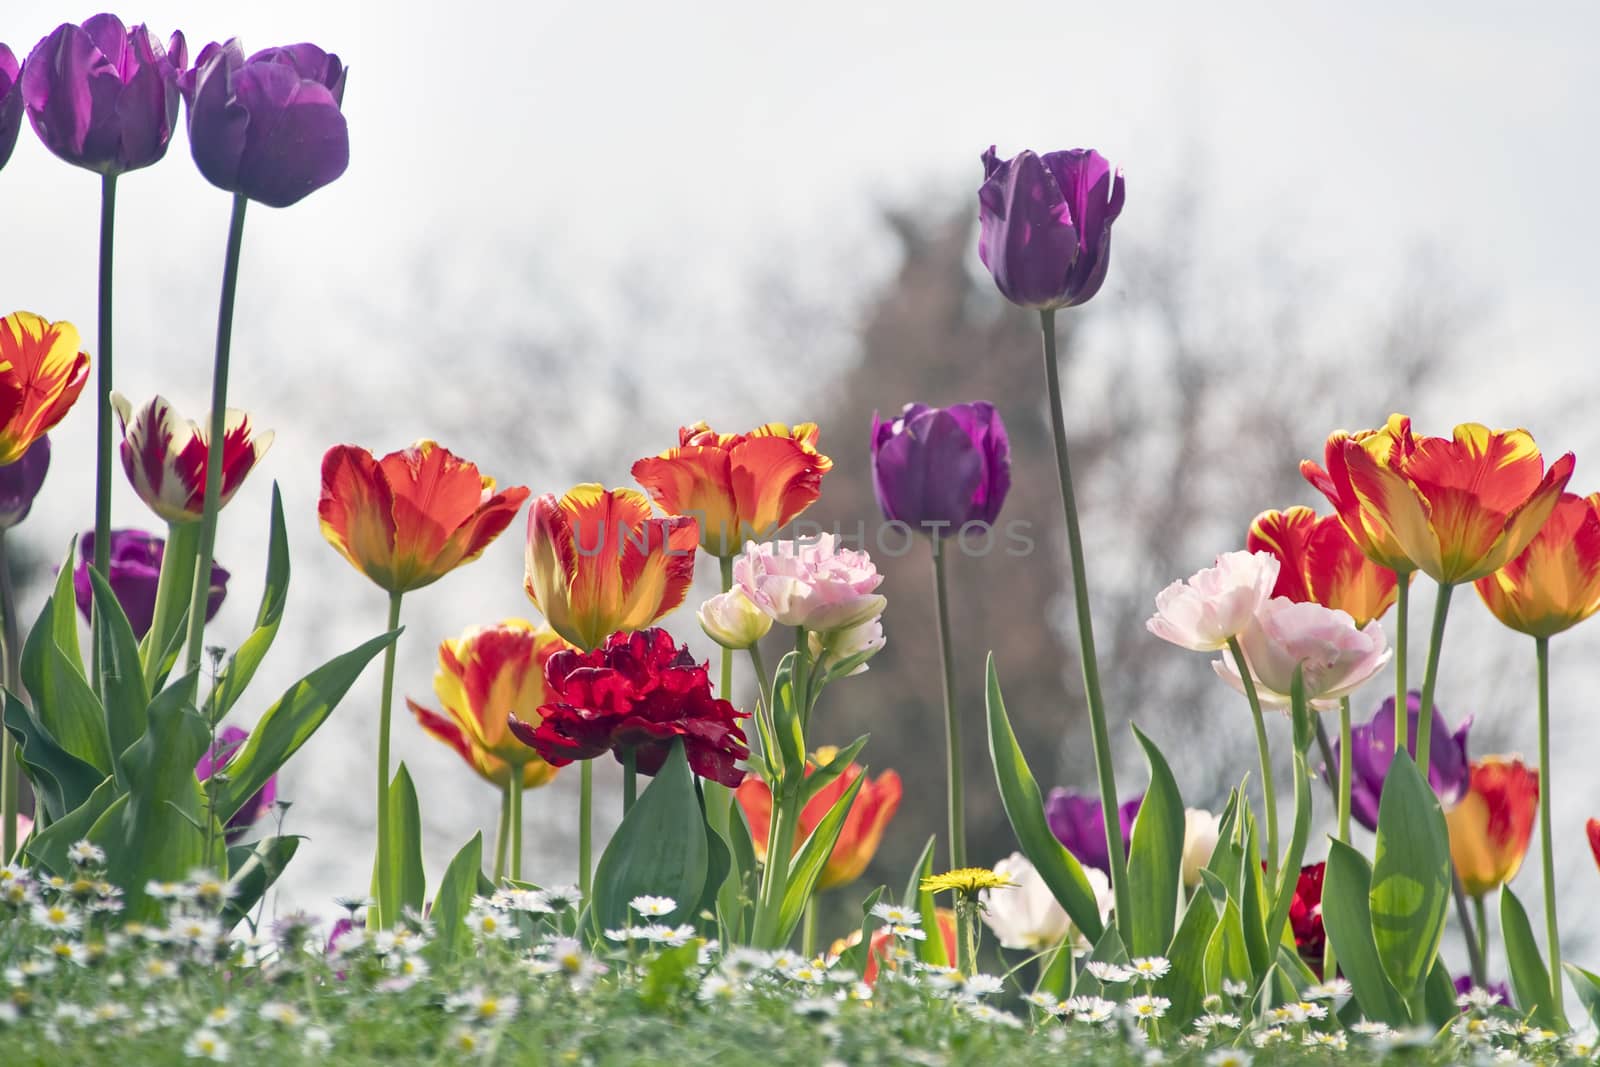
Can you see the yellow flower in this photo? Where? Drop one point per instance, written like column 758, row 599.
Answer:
column 966, row 881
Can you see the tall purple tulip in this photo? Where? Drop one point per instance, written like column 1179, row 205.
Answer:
column 937, row 469
column 1046, row 225
column 268, row 127
column 1078, row 822
column 10, row 103
column 20, row 482
column 135, row 570
column 102, row 96
column 1372, row 750
column 229, row 740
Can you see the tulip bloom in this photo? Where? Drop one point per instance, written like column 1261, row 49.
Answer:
column 135, row 570
column 1305, row 915
column 1079, row 824
column 1372, row 750
column 1491, row 827
column 1216, row 605
column 229, row 740
column 20, row 483
column 102, row 96
column 1320, row 562
column 885, row 951
column 1027, row 915
column 410, row 518
column 833, row 649
column 269, row 127
column 938, row 469
column 815, row 583
column 10, row 103
column 732, row 620
column 739, row 486
column 1201, row 830
column 1393, row 443
column 1333, row 654
column 41, row 374
column 165, row 455
column 638, row 692
column 1592, row 829
column 1046, row 225
column 1555, row 583
column 486, row 676
column 870, row 812
column 598, row 562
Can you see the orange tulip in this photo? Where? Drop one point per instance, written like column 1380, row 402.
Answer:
column 485, row 676
column 1320, row 562
column 882, row 938
column 598, row 562
column 740, row 486
column 870, row 812
column 410, row 518
column 1555, row 583
column 1365, row 526
column 41, row 374
column 1490, row 828
column 1460, row 507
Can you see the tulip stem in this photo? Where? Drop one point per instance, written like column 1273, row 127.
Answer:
column 585, row 822
column 775, row 872
column 808, row 928
column 1402, row 609
column 725, row 689
column 952, row 720
column 388, row 907
column 630, row 778
column 214, row 457
column 1346, row 740
column 514, row 794
column 172, row 594
column 502, row 837
column 1441, row 608
column 1269, row 794
column 1105, row 772
column 1474, row 943
column 102, row 470
column 1546, row 845
column 1482, row 913
column 10, row 657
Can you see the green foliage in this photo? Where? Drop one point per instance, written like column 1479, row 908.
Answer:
column 1410, row 877
column 1530, row 979
column 1347, row 918
column 660, row 849
column 453, row 900
column 242, row 664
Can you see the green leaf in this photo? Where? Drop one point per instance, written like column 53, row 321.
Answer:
column 247, row 657
column 788, row 724
column 659, row 850
column 736, row 900
column 1155, row 861
column 806, row 867
column 1252, row 896
column 1587, row 983
column 1055, row 972
column 822, row 777
column 1347, row 918
column 254, row 867
column 1185, row 983
column 1439, row 996
column 61, row 781
column 1228, row 953
column 407, row 880
column 122, row 688
column 931, row 949
column 453, row 899
column 57, row 626
column 854, row 957
column 1530, row 979
column 1019, row 794
column 1410, row 877
column 290, row 722
column 1289, row 876
column 48, row 847
column 719, row 862
column 669, row 975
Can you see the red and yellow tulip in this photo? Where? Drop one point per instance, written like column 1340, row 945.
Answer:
column 410, row 518
column 740, row 486
column 870, row 812
column 165, row 456
column 1320, row 562
column 1490, row 828
column 486, row 676
column 1389, row 444
column 1555, row 583
column 41, row 374
column 600, row 562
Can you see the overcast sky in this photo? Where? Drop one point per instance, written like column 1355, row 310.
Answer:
column 617, row 137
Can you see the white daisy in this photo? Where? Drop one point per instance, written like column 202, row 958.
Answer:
column 894, row 914
column 1150, row 967
column 653, row 907
column 206, row 1045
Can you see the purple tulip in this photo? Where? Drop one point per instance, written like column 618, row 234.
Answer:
column 937, row 469
column 1045, row 225
column 217, row 756
column 1078, row 823
column 268, row 127
column 1499, row 992
column 10, row 103
column 102, row 96
column 1372, row 748
column 135, row 569
column 20, row 482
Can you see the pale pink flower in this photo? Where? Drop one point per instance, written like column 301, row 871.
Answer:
column 810, row 582
column 1335, row 655
column 732, row 620
column 1215, row 604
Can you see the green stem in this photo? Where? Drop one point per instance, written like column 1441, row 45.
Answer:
column 630, row 779
column 1402, row 609
column 726, row 686
column 1269, row 793
column 102, row 470
column 1105, row 772
column 1441, row 608
column 10, row 657
column 1329, row 961
column 173, row 590
column 219, row 422
column 775, row 872
column 502, row 837
column 966, row 938
column 585, row 824
column 1546, row 845
column 514, row 792
column 808, row 929
column 1474, row 941
column 952, row 720
column 763, row 680
column 1482, row 913
column 388, row 908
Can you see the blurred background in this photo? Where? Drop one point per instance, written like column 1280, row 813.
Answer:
column 568, row 229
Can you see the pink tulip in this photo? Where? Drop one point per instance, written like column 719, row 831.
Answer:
column 1334, row 654
column 811, row 582
column 1216, row 604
